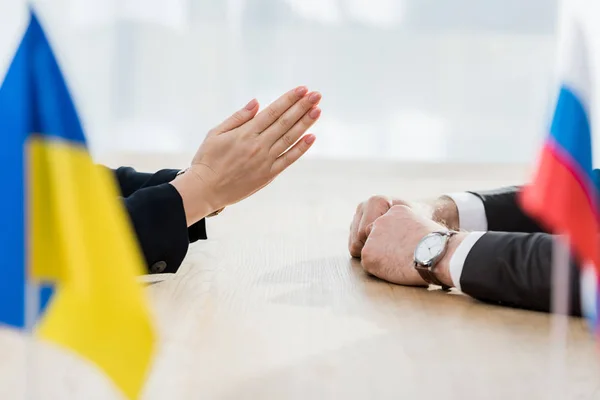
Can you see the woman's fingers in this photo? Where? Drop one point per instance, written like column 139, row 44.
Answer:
column 292, row 135
column 238, row 119
column 293, row 154
column 289, row 119
column 266, row 117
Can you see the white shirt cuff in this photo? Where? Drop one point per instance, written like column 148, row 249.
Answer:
column 457, row 262
column 589, row 286
column 471, row 212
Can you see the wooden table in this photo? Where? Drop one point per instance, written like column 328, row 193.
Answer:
column 273, row 307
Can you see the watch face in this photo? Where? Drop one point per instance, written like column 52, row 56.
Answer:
column 430, row 248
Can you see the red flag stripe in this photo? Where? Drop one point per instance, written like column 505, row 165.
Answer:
column 559, row 200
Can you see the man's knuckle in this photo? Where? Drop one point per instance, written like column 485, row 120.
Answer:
column 387, row 221
column 378, row 197
column 354, row 248
column 378, row 200
column 400, row 202
column 383, row 224
column 376, row 223
column 369, row 261
column 400, row 209
column 368, row 252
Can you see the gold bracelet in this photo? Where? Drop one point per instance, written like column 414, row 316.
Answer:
column 182, row 171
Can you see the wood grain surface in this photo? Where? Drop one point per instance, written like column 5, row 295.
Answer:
column 273, row 307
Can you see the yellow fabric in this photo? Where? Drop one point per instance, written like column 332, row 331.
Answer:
column 82, row 241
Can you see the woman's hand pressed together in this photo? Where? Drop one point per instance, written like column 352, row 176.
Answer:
column 247, row 151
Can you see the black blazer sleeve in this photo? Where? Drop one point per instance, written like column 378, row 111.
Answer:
column 156, row 211
column 158, row 218
column 130, row 181
column 515, row 269
column 503, row 212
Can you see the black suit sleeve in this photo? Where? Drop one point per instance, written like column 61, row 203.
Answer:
column 158, row 218
column 515, row 269
column 156, row 211
column 503, row 212
column 130, row 181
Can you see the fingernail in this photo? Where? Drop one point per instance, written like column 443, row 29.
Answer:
column 301, row 90
column 315, row 97
column 310, row 139
column 250, row 106
column 314, row 113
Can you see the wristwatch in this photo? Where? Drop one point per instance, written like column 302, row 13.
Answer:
column 181, row 172
column 429, row 252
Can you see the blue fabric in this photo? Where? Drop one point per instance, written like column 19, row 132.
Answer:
column 34, row 99
column 570, row 130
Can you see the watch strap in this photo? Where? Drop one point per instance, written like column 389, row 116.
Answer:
column 427, row 272
column 429, row 277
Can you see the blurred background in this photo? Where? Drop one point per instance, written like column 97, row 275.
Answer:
column 414, row 80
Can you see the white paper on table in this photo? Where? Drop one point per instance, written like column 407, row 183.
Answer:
column 154, row 278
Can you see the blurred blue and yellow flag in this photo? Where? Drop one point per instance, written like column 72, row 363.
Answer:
column 63, row 228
